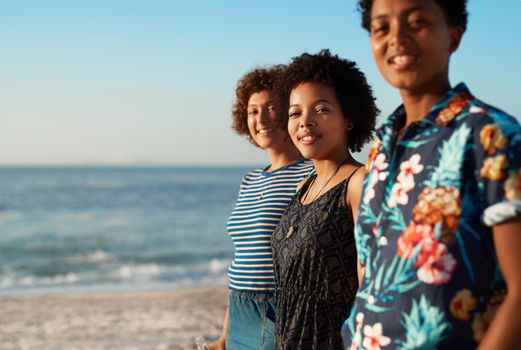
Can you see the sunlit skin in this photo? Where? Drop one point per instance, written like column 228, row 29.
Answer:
column 412, row 44
column 319, row 129
column 266, row 132
column 262, row 119
column 316, row 122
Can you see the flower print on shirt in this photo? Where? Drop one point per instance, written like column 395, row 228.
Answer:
column 493, row 167
column 462, row 305
column 373, row 152
column 482, row 321
column 417, row 241
column 398, row 195
column 407, row 171
column 438, row 267
column 513, row 186
column 374, row 338
column 357, row 339
column 377, row 174
column 491, row 138
column 431, row 275
column 405, row 183
column 453, row 108
column 477, row 109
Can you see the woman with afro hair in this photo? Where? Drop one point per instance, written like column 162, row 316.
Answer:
column 329, row 111
column 263, row 196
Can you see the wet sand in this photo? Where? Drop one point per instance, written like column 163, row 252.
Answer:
column 160, row 319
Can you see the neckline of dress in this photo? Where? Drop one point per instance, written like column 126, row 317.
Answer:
column 307, row 184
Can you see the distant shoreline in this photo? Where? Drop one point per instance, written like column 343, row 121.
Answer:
column 129, row 166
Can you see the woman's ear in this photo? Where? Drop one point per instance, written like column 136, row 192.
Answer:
column 456, row 33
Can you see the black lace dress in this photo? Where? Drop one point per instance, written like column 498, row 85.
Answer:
column 314, row 258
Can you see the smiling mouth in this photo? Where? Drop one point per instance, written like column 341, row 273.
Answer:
column 264, row 131
column 403, row 61
column 309, row 139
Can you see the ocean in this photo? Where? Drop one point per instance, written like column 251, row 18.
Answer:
column 98, row 228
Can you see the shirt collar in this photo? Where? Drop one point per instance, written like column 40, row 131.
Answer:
column 441, row 114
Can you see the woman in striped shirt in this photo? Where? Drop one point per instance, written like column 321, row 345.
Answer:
column 263, row 197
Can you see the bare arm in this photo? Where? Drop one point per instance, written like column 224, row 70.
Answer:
column 505, row 330
column 220, row 343
column 353, row 195
column 354, row 191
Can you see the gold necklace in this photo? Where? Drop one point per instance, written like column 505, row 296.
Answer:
column 293, row 228
column 324, row 186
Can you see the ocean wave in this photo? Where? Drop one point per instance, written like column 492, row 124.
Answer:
column 7, row 215
column 219, row 265
column 114, row 222
column 170, row 272
column 10, row 281
column 97, row 256
column 139, row 272
column 128, row 274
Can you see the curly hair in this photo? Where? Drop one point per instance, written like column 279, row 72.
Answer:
column 455, row 12
column 256, row 80
column 351, row 89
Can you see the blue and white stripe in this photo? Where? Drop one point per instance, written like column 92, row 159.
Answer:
column 263, row 198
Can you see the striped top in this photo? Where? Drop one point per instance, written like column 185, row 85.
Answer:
column 263, row 198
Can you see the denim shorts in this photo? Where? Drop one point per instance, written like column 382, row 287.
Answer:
column 251, row 321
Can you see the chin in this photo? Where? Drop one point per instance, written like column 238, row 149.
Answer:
column 264, row 142
column 304, row 153
column 401, row 82
column 309, row 154
column 412, row 81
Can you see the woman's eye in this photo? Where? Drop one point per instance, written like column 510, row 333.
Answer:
column 379, row 28
column 417, row 22
column 322, row 110
column 293, row 114
column 252, row 112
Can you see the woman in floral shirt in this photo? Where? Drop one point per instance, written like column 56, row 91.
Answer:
column 439, row 227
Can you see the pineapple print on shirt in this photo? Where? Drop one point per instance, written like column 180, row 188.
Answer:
column 431, row 277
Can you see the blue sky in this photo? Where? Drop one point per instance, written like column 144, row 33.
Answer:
column 152, row 82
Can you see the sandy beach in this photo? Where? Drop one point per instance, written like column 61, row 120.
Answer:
column 160, row 319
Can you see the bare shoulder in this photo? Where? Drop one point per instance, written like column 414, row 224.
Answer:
column 354, row 188
column 357, row 179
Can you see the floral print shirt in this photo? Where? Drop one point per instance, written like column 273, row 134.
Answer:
column 424, row 231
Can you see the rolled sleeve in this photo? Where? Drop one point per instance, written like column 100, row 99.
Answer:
column 497, row 147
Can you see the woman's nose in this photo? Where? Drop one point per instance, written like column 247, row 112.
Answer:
column 265, row 115
column 306, row 120
column 398, row 34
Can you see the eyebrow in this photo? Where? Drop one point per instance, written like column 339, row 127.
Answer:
column 317, row 101
column 407, row 12
column 255, row 104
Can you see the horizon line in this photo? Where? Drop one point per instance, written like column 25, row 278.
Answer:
column 121, row 165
